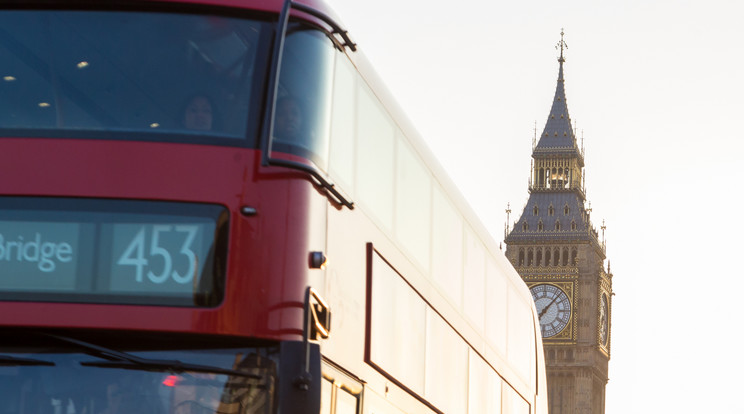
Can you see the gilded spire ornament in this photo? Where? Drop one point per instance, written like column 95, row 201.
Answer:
column 562, row 44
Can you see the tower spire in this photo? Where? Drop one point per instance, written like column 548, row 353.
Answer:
column 562, row 44
column 558, row 132
column 506, row 226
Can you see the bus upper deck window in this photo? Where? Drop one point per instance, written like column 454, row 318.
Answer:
column 135, row 75
column 302, row 109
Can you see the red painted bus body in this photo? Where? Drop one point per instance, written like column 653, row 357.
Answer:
column 155, row 265
column 274, row 244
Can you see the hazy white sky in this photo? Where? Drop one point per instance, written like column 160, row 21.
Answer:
column 657, row 91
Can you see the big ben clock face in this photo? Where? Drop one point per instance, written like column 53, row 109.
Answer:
column 553, row 308
column 604, row 320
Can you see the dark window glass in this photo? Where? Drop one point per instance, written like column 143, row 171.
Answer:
column 303, row 101
column 59, row 378
column 108, row 74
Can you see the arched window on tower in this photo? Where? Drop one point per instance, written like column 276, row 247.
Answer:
column 574, row 256
column 541, row 178
column 554, row 178
column 547, row 256
column 566, row 210
column 525, row 226
column 565, row 256
column 540, row 226
column 530, row 257
column 556, row 256
column 551, row 210
column 521, row 257
column 538, row 257
column 560, row 178
column 535, row 210
column 573, row 225
column 557, row 225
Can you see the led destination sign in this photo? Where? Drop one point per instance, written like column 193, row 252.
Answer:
column 38, row 255
column 111, row 251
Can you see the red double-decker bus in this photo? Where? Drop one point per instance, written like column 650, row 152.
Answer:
column 215, row 207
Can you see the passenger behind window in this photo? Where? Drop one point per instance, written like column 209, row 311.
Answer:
column 288, row 120
column 114, row 398
column 200, row 113
column 124, row 396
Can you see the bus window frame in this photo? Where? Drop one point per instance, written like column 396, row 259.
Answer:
column 269, row 114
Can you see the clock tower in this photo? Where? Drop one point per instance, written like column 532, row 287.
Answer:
column 559, row 254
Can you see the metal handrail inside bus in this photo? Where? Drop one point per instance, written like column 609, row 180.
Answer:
column 268, row 118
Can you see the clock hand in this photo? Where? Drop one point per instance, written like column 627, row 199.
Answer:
column 545, row 309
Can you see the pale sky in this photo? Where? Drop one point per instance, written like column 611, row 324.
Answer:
column 657, row 91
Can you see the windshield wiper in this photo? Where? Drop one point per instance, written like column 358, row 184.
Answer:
column 10, row 361
column 119, row 359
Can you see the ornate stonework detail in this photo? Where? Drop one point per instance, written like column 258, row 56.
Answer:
column 554, row 272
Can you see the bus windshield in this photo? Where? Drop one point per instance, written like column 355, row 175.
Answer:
column 49, row 375
column 109, row 74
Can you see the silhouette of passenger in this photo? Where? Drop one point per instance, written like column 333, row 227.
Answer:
column 198, row 113
column 114, row 398
column 288, row 119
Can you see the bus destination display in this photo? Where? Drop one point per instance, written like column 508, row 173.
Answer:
column 148, row 256
column 124, row 256
column 38, row 255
